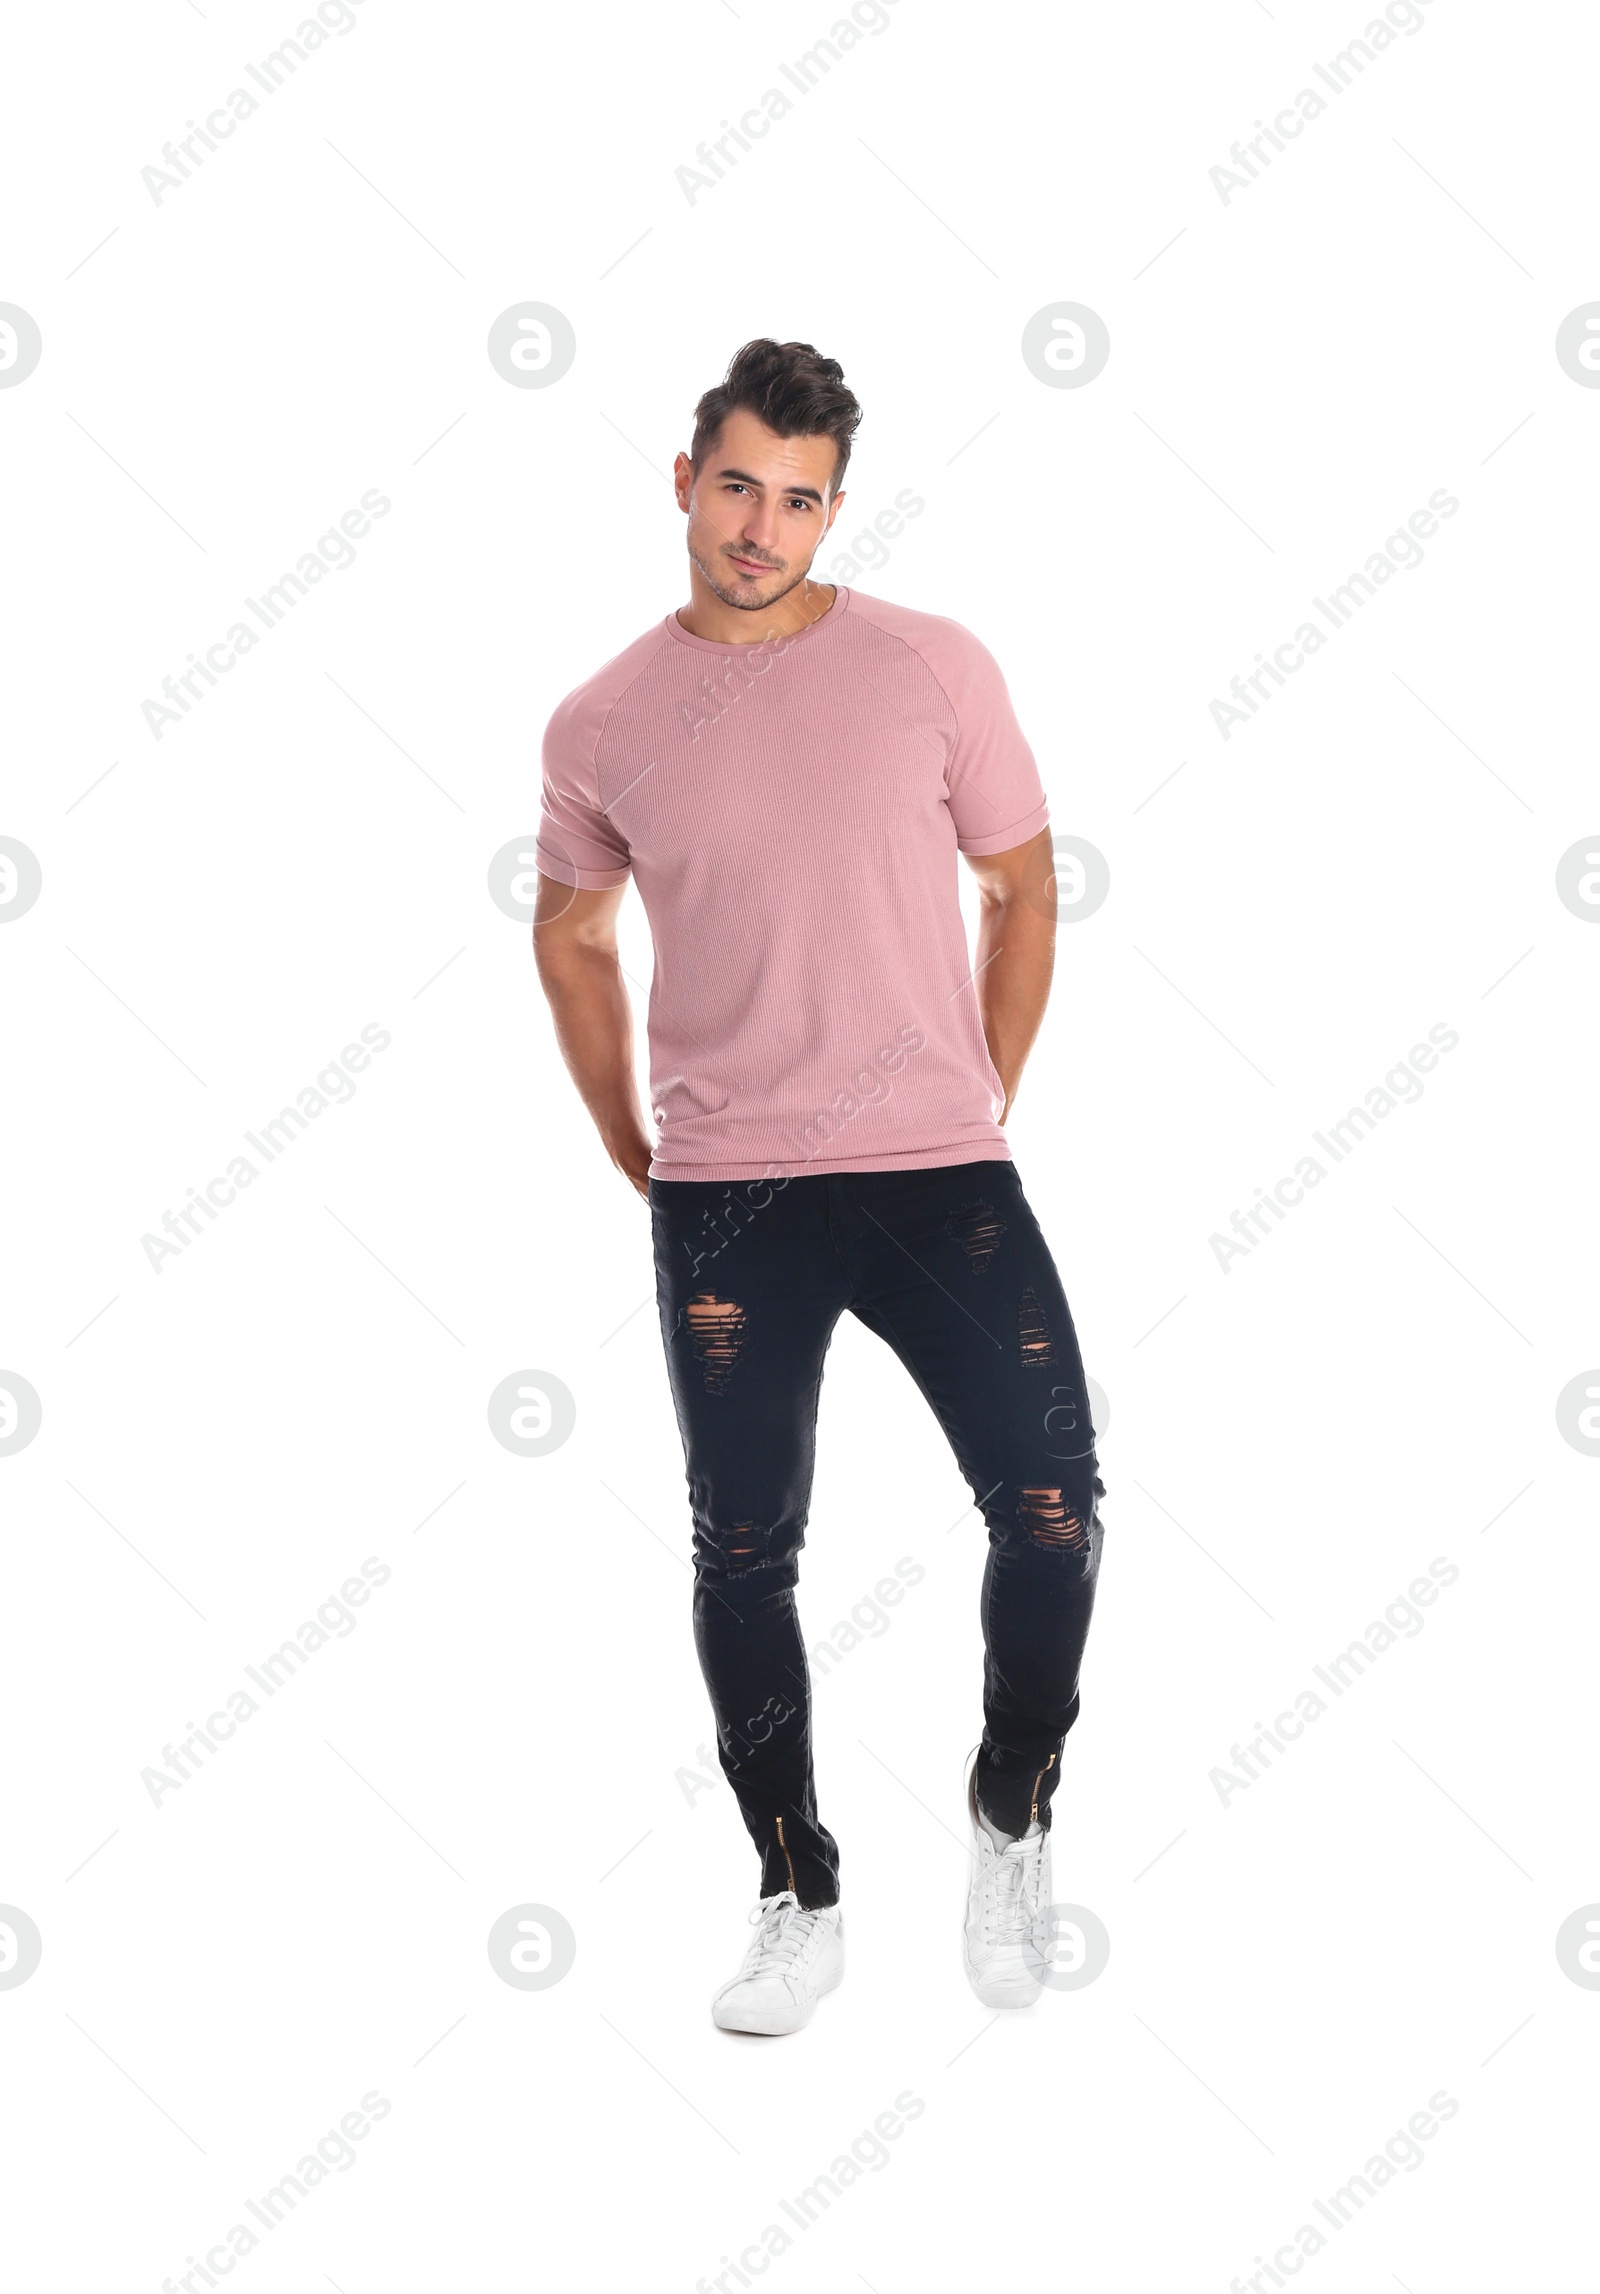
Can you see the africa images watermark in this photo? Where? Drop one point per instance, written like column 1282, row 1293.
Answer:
column 715, row 695
column 183, row 159
column 1401, row 551
column 334, row 549
column 1402, row 2153
column 1401, row 1086
column 868, row 551
column 333, row 1086
column 870, row 1086
column 868, row 1618
column 738, row 675
column 1339, row 74
column 868, row 18
column 335, row 1619
column 335, row 2153
column 1401, row 1619
column 868, row 2154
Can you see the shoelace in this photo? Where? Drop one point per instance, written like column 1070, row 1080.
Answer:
column 1011, row 1879
column 787, row 1932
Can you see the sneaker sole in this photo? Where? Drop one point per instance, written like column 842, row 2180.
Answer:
column 776, row 2026
column 992, row 1996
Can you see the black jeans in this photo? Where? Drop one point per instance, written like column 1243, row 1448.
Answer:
column 949, row 1267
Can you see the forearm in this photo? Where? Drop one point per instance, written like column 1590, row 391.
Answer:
column 594, row 1029
column 1015, row 959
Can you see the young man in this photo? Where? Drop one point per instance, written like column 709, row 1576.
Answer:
column 788, row 770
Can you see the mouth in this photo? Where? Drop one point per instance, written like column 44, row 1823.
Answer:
column 751, row 565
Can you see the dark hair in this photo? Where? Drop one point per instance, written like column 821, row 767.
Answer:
column 792, row 388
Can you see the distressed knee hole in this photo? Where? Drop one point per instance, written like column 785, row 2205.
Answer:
column 724, row 1550
column 1050, row 1521
column 1033, row 1334
column 977, row 1227
column 717, row 1333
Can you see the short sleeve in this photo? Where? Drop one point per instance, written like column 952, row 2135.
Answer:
column 576, row 843
column 995, row 795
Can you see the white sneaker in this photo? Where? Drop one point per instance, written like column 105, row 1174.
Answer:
column 797, row 1956
column 1006, row 1944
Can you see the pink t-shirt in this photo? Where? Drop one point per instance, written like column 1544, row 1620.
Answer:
column 791, row 813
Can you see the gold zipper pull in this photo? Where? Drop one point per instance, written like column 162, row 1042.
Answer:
column 1033, row 1813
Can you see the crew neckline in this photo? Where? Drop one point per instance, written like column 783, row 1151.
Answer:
column 841, row 600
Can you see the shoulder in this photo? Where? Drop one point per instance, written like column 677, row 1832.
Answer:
column 954, row 655
column 579, row 718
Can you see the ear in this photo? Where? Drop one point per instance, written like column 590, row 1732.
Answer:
column 682, row 480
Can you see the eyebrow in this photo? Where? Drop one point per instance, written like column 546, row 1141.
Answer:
column 745, row 479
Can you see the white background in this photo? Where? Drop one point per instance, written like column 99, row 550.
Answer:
column 1291, row 1441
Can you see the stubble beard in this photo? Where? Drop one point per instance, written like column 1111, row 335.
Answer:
column 741, row 599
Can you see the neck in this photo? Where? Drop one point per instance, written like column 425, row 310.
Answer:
column 707, row 616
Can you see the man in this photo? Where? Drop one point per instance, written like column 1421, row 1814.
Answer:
column 787, row 769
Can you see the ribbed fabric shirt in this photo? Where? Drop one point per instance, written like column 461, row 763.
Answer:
column 791, row 813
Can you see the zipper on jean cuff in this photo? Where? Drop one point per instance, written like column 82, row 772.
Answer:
column 1033, row 1812
column 788, row 1859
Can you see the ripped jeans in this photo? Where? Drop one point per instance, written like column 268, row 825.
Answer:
column 948, row 1267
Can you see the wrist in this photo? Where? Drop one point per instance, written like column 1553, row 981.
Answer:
column 628, row 1147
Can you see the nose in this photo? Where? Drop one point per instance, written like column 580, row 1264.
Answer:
column 760, row 528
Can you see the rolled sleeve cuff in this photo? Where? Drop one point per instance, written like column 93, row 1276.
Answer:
column 1007, row 839
column 583, row 878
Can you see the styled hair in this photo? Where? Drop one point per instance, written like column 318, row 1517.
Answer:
column 792, row 388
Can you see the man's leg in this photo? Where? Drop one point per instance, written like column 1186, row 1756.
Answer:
column 957, row 1277
column 749, row 1288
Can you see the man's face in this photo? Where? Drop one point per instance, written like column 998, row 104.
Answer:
column 758, row 509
